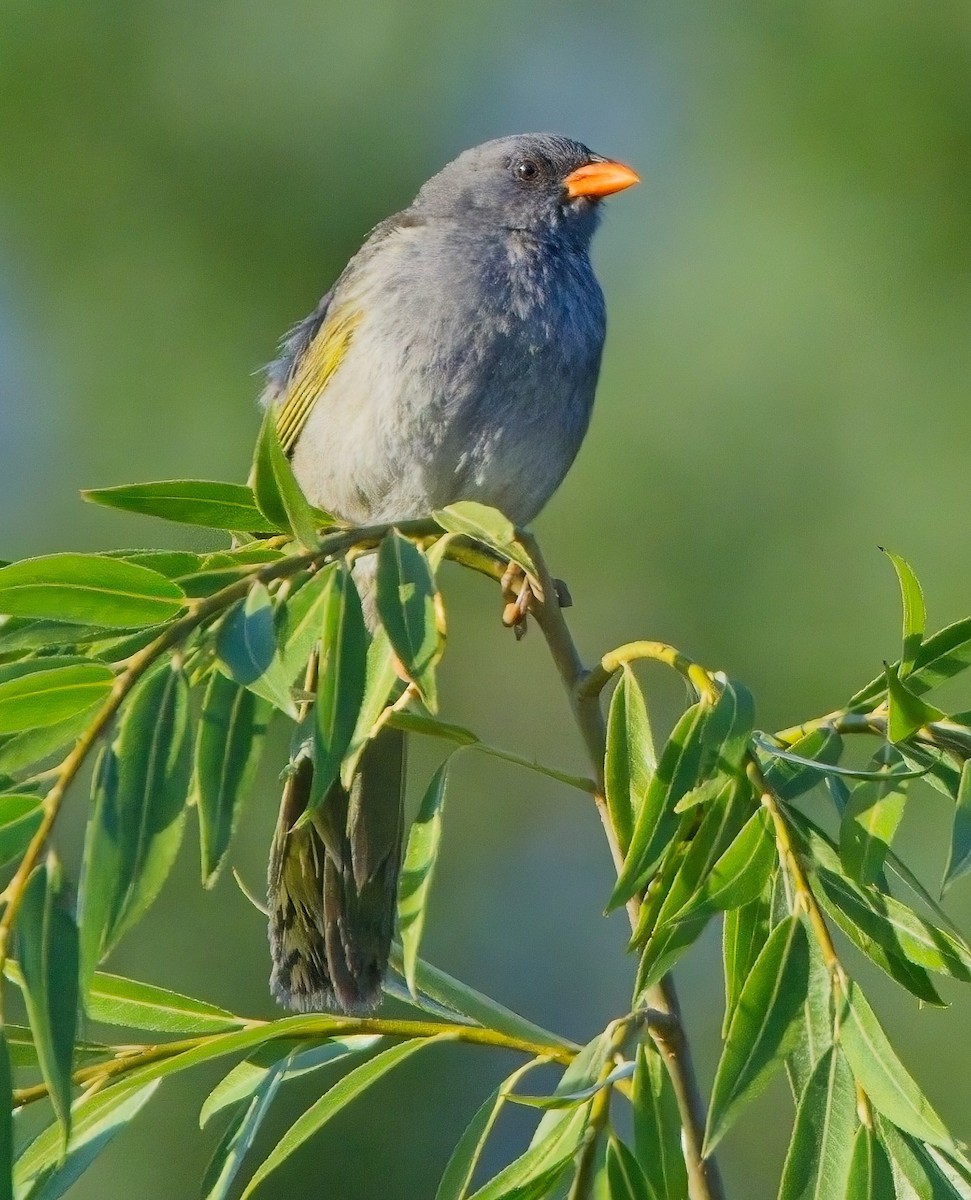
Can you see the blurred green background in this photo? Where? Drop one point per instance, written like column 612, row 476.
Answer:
column 785, row 388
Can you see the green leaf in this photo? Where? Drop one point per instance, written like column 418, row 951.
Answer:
column 534, row 1174
column 114, row 1000
column 486, row 525
column 914, row 611
column 331, row 1102
column 382, row 687
column 870, row 1174
column 47, row 940
column 917, row 1176
column 745, row 933
column 959, row 853
column 816, row 1026
column 630, row 760
column 763, row 1028
column 20, row 818
column 657, row 1127
column 459, row 998
column 417, row 869
column 6, row 1121
column 742, row 871
column 45, row 698
column 625, row 1178
column 897, row 928
column 942, row 656
column 817, row 1165
column 276, row 489
column 232, row 726
column 797, row 770
column 465, row 1157
column 88, row 589
column 38, row 743
column 908, row 712
column 238, row 1136
column 882, row 1075
column 411, row 611
column 564, row 1099
column 296, row 1058
column 95, row 1121
column 870, row 821
column 230, row 506
column 677, row 772
column 583, row 1072
column 341, row 677
column 298, row 622
column 135, row 830
column 246, row 639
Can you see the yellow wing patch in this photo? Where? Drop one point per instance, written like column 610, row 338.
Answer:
column 322, row 358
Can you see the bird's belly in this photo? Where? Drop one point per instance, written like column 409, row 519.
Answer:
column 376, row 451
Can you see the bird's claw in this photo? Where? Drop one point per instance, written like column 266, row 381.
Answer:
column 520, row 592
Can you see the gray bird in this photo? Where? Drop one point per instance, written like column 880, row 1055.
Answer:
column 455, row 358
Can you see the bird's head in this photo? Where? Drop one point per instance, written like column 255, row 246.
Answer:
column 536, row 182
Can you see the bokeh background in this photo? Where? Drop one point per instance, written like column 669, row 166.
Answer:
column 785, row 388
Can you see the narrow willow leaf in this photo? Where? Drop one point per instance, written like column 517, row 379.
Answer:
column 276, row 489
column 817, row 1164
column 246, row 639
column 460, row 999
column 657, row 1127
column 870, row 1175
column 232, row 726
column 536, row 1172
column 298, row 632
column 728, row 730
column 583, row 1072
column 411, row 612
column 38, row 743
column 764, row 1027
column 882, row 1075
column 897, row 928
column 827, row 771
column 563, row 1099
column 95, row 1121
column 237, row 1138
column 6, row 1121
column 417, row 869
column 457, row 1178
column 47, row 940
column 916, row 1175
column 816, row 1024
column 114, row 1000
column 486, row 525
column 296, row 1058
column 135, row 832
column 625, row 1178
column 745, row 933
column 416, row 722
column 630, row 760
column 20, row 817
column 907, row 711
column 340, row 677
column 914, row 611
column 791, row 773
column 48, row 697
column 382, row 687
column 211, row 505
column 332, row 1101
column 959, row 854
column 942, row 656
column 869, row 823
column 739, row 876
column 88, row 589
column 677, row 772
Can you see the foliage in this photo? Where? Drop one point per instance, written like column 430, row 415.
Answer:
column 166, row 667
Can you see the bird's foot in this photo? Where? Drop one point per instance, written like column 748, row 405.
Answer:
column 520, row 592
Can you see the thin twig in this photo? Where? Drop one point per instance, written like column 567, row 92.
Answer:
column 704, row 1179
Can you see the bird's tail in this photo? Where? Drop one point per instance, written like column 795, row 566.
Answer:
column 333, row 884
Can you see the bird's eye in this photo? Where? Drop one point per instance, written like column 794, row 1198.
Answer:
column 526, row 170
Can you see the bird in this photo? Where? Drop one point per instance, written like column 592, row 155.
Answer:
column 455, row 358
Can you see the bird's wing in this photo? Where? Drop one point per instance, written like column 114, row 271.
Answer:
column 312, row 351
column 315, row 363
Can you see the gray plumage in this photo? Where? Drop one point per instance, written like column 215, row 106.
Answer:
column 476, row 330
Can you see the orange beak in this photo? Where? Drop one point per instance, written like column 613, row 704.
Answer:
column 600, row 178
